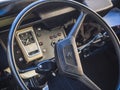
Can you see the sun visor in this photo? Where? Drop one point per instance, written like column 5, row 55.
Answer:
column 99, row 5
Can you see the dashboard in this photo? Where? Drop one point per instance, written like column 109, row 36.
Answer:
column 35, row 44
column 38, row 43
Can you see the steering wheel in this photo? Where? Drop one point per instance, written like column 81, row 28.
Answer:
column 66, row 54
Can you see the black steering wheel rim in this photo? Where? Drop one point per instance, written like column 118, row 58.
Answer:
column 74, row 4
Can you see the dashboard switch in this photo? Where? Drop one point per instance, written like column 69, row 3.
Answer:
column 39, row 29
column 20, row 59
column 40, row 43
column 44, row 50
column 18, row 52
column 55, row 36
column 59, row 34
column 51, row 37
column 53, row 43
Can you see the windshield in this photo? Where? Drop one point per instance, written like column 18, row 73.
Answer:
column 11, row 6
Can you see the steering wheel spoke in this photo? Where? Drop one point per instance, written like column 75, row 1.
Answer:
column 68, row 62
column 88, row 82
column 75, row 29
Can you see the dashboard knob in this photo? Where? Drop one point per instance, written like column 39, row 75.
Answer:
column 20, row 59
column 44, row 50
column 53, row 43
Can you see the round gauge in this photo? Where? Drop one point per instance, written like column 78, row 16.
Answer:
column 27, row 38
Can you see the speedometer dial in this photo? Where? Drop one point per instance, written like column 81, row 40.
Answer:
column 27, row 38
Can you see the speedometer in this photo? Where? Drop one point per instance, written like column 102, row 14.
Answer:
column 28, row 43
column 27, row 38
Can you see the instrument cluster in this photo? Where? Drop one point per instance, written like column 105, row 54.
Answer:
column 36, row 44
column 47, row 40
